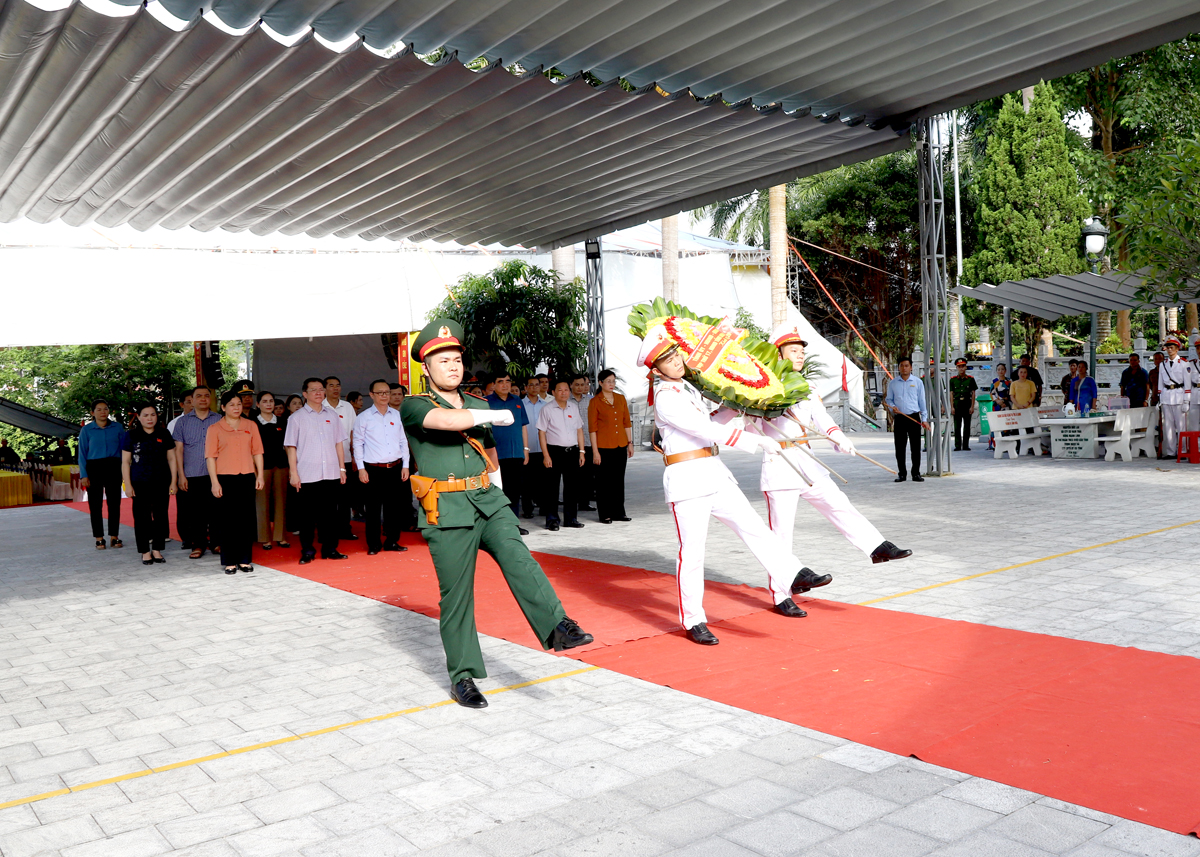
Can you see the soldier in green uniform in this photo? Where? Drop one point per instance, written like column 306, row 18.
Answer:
column 465, row 511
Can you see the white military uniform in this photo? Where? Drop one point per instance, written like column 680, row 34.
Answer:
column 1174, row 395
column 704, row 487
column 783, row 487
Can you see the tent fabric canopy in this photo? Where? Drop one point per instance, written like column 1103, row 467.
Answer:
column 1050, row 298
column 120, row 117
column 35, row 421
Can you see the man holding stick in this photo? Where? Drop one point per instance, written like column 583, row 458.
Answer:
column 906, row 400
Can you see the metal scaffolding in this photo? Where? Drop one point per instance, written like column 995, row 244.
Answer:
column 935, row 303
column 595, row 308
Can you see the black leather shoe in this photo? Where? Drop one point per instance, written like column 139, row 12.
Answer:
column 306, row 558
column 918, row 479
column 334, row 555
column 395, row 548
column 466, row 694
column 700, row 634
column 899, row 478
column 567, row 635
column 231, row 569
column 623, row 519
column 372, row 553
column 887, row 552
column 808, row 579
column 574, row 524
column 552, row 525
column 787, row 607
column 246, row 568
column 606, row 520
column 522, row 531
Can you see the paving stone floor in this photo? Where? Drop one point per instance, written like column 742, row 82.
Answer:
column 107, row 667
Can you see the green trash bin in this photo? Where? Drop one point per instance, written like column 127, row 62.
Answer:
column 984, row 400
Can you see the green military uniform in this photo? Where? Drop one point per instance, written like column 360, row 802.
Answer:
column 469, row 521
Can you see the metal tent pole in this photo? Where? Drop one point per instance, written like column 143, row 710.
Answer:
column 934, row 295
column 1008, row 355
column 595, row 308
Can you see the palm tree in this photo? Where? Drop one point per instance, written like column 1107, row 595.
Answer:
column 745, row 218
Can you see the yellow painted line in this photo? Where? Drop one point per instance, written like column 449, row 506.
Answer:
column 133, row 775
column 1027, row 562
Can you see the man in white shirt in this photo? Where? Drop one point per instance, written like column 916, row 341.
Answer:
column 1174, row 396
column 698, row 485
column 348, row 493
column 186, row 404
column 381, row 455
column 535, row 471
column 560, row 435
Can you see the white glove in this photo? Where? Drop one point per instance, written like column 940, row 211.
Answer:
column 769, row 445
column 1185, row 407
column 844, row 444
column 500, row 418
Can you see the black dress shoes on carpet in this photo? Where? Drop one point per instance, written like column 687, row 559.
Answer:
column 887, row 552
column 334, row 555
column 700, row 634
column 567, row 635
column 466, row 694
column 372, row 553
column 787, row 607
column 306, row 558
column 808, row 579
column 574, row 524
column 394, row 547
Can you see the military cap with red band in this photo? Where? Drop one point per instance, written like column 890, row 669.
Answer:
column 439, row 334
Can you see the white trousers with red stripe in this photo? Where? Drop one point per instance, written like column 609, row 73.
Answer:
column 831, row 502
column 1174, row 421
column 729, row 506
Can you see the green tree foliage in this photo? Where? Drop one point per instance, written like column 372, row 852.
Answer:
column 518, row 316
column 1030, row 207
column 63, row 380
column 1163, row 226
column 745, row 218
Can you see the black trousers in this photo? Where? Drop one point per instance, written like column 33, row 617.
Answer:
column 587, row 478
column 383, row 499
column 317, row 510
column 907, row 432
column 104, row 478
column 344, row 497
column 565, row 469
column 150, row 503
column 197, row 527
column 237, row 518
column 610, row 483
column 512, row 474
column 962, row 430
column 531, row 485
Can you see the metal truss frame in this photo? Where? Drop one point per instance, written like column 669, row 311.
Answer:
column 594, row 313
column 935, row 302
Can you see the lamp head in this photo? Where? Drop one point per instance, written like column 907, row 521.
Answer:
column 1095, row 236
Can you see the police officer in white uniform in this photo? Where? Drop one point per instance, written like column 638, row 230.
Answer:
column 784, row 487
column 698, row 484
column 1174, row 395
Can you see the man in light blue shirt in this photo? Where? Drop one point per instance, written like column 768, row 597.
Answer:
column 535, row 476
column 906, row 400
column 381, row 454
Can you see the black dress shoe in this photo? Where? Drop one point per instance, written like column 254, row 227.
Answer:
column 306, row 558
column 808, row 579
column 246, row 567
column 887, row 552
column 787, row 607
column 334, row 555
column 148, row 562
column 622, row 518
column 395, row 548
column 159, row 559
column 700, row 634
column 567, row 635
column 231, row 569
column 522, row 531
column 466, row 694
column 372, row 553
column 552, row 525
column 574, row 524
column 918, row 479
column 606, row 520
column 899, row 478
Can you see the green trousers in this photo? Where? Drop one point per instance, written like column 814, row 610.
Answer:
column 454, row 551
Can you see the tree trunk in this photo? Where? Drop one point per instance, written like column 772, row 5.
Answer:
column 1124, row 330
column 563, row 260
column 1104, row 328
column 1173, row 318
column 777, row 200
column 1192, row 323
column 670, row 257
column 1026, row 97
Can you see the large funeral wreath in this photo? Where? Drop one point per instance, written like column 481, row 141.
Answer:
column 750, row 376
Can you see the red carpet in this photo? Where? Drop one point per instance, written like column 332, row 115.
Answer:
column 127, row 518
column 1114, row 729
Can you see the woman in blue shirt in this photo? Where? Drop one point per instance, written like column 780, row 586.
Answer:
column 100, row 472
column 148, row 467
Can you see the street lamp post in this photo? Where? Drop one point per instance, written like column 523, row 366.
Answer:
column 1095, row 237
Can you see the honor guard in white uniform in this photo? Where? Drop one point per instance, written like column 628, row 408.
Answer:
column 699, row 485
column 784, row 487
column 1174, row 395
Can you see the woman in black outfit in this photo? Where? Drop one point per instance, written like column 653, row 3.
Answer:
column 148, row 468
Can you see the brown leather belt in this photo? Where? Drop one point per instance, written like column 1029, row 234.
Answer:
column 788, row 444
column 470, row 483
column 691, row 454
column 399, row 462
column 427, row 489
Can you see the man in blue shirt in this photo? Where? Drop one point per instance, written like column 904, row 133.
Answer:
column 906, row 400
column 195, row 505
column 512, row 442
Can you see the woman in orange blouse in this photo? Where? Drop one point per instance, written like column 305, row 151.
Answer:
column 612, row 445
column 234, row 453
